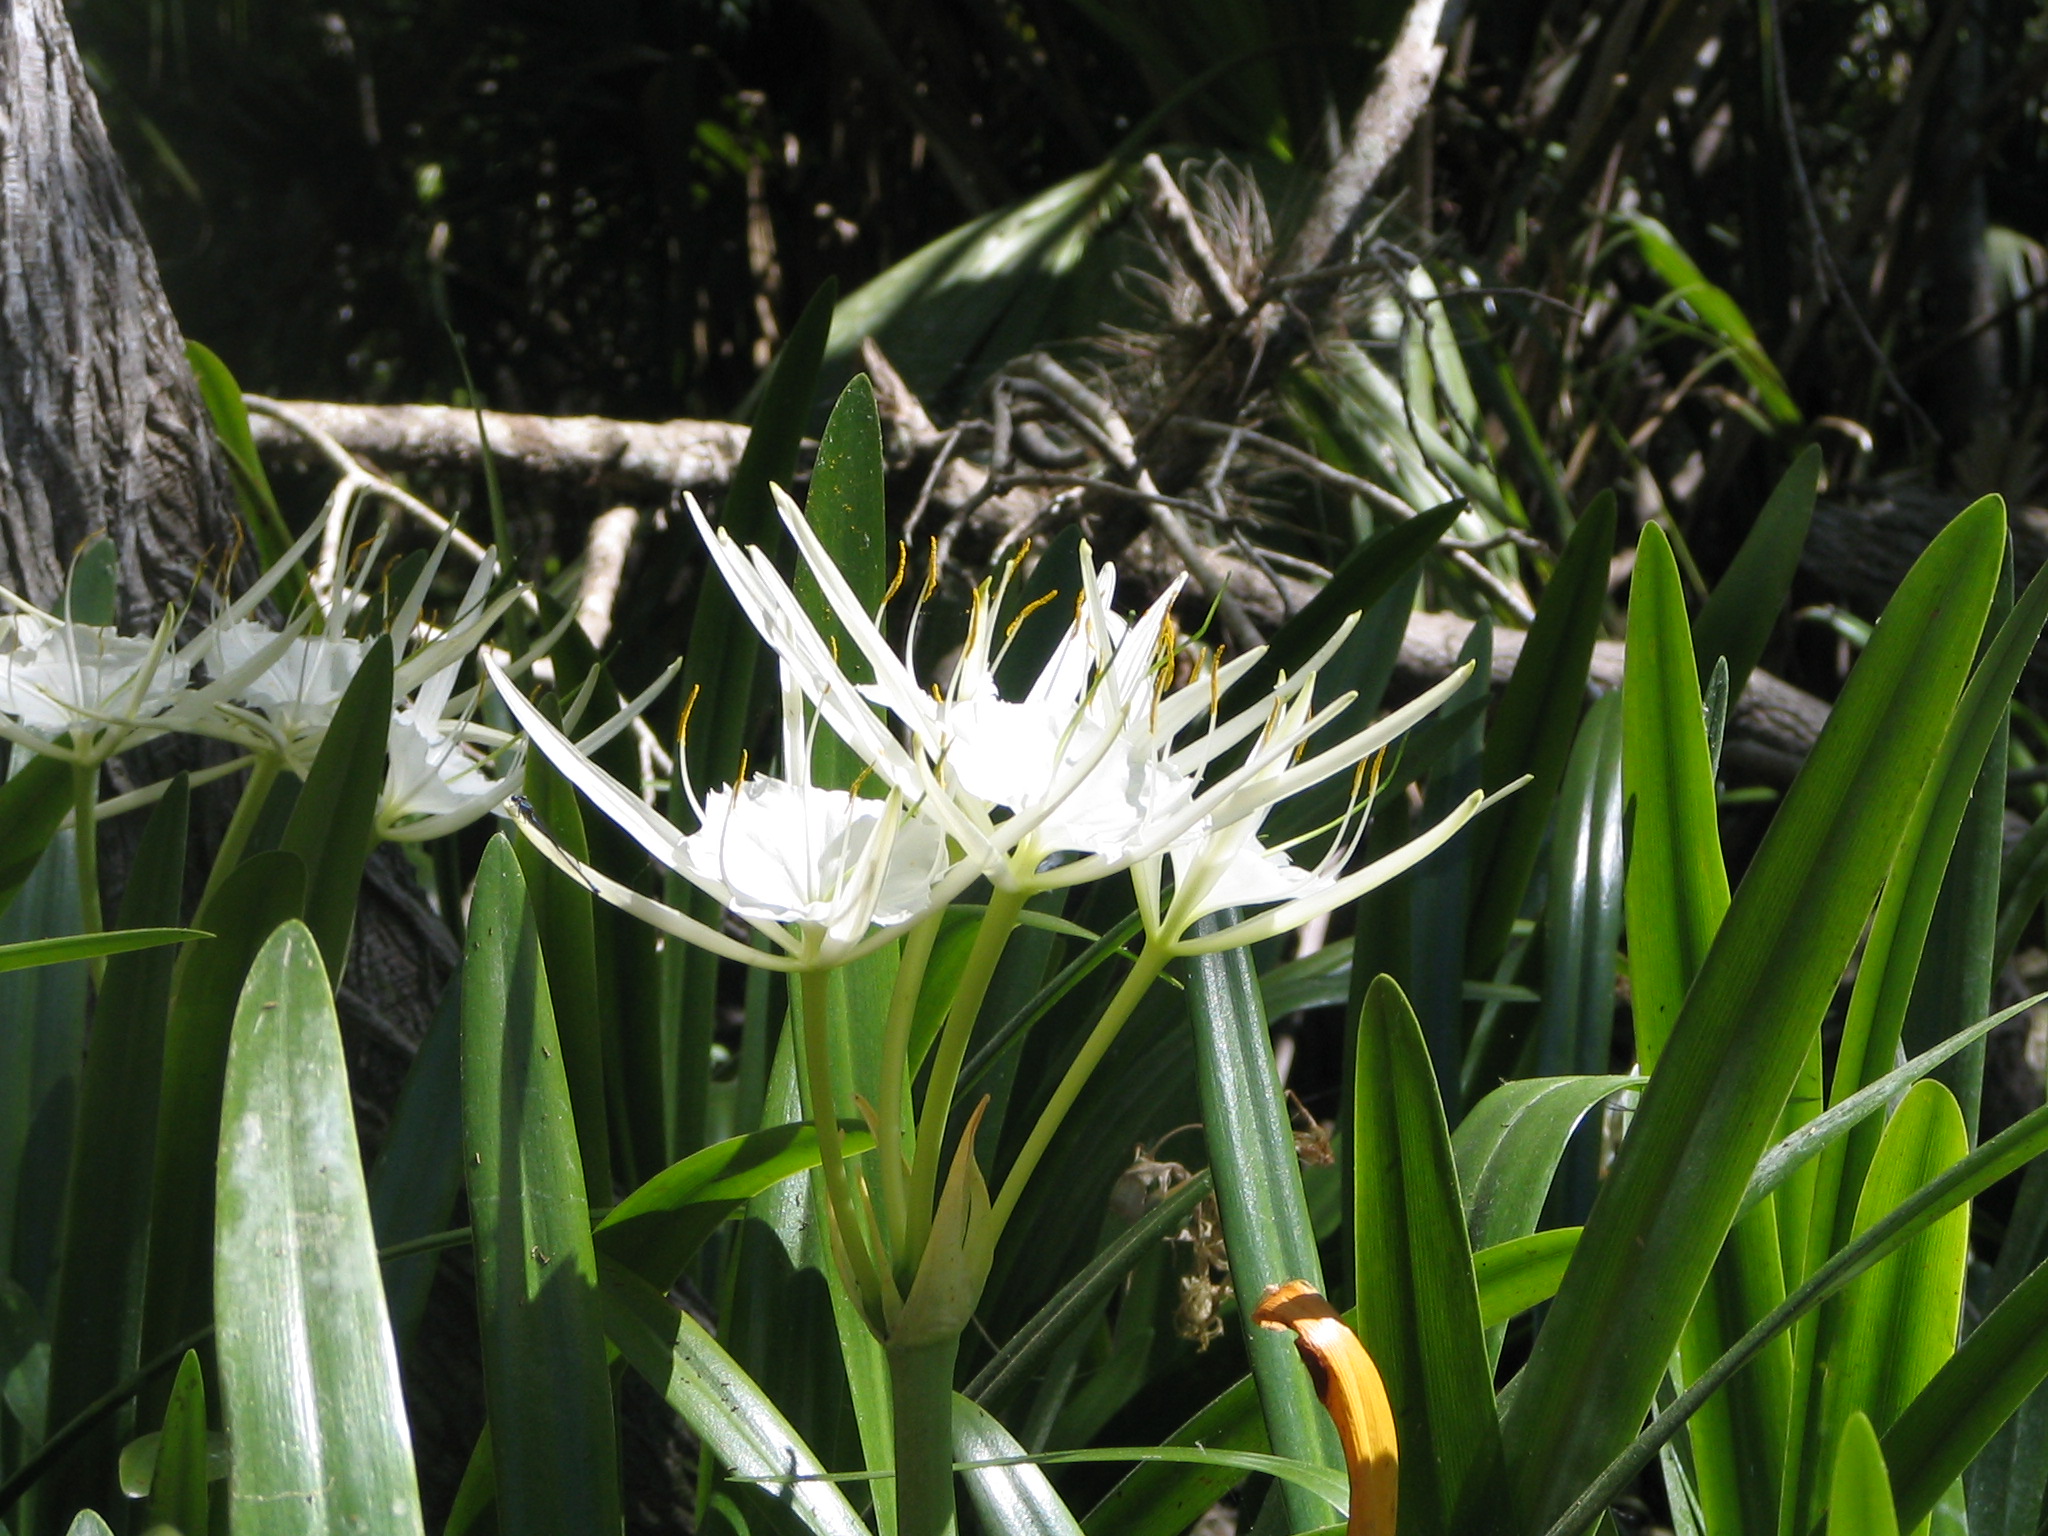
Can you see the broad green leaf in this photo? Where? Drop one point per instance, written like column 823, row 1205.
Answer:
column 96, row 1313
column 333, row 824
column 1897, row 1323
column 418, row 1173
column 1259, row 1197
column 1507, row 1148
column 1533, row 727
column 223, row 397
column 1017, row 1500
column 86, row 1523
column 1746, row 1028
column 1677, row 883
column 91, row 588
column 1736, row 621
column 655, row 1230
column 177, row 1490
column 33, row 804
column 845, row 509
column 1418, row 1302
column 730, row 1414
column 86, row 946
column 1163, row 1498
column 242, row 911
column 1942, row 1430
column 1860, row 1495
column 545, row 1382
column 309, row 1375
column 1521, row 1273
column 720, row 661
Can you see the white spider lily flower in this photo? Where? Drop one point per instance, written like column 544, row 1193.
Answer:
column 86, row 682
column 822, row 874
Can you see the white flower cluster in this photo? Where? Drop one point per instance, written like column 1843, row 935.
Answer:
column 85, row 692
column 1101, row 766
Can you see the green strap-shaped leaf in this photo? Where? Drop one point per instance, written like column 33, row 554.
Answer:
column 1746, row 1029
column 1981, row 1385
column 1016, row 1500
column 655, row 1230
column 33, row 804
column 177, row 1491
column 1860, row 1494
column 309, row 1375
column 419, row 1172
column 223, row 397
column 1162, row 1498
column 96, row 1315
column 333, row 823
column 243, row 911
column 720, row 662
column 1737, row 618
column 1896, row 1325
column 1259, row 1197
column 1533, row 727
column 545, row 1380
column 1515, row 1276
column 1507, row 1149
column 1677, row 883
column 730, row 1414
column 845, row 509
column 1418, row 1301
column 86, row 946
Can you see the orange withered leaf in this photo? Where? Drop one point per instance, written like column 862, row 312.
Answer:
column 1349, row 1384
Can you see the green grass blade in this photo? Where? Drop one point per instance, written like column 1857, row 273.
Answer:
column 85, row 946
column 1737, row 618
column 1016, row 1500
column 731, row 1415
column 1978, row 1388
column 1897, row 1323
column 1418, row 1301
column 333, row 824
column 1746, row 1028
column 657, row 1229
column 96, row 1313
column 1677, row 883
column 1860, row 1495
column 243, row 911
column 177, row 1490
column 1533, row 727
column 1259, row 1196
column 1524, row 1272
column 1163, row 1498
column 545, row 1379
column 309, row 1375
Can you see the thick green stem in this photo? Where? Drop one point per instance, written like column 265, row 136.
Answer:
column 85, row 849
column 255, row 793
column 917, row 954
column 921, row 1397
column 997, row 924
column 1151, row 961
column 825, row 1116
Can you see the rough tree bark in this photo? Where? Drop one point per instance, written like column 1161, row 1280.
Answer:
column 102, row 431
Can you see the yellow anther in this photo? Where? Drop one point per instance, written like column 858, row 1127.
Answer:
column 683, row 721
column 1026, row 611
column 902, row 568
column 931, row 575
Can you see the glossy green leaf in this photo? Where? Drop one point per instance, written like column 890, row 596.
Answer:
column 1736, row 621
column 86, row 946
column 1860, row 1494
column 1897, row 1323
column 845, row 507
column 1259, row 1197
column 1677, row 883
column 223, row 397
column 1507, row 1149
column 96, row 1313
column 656, row 1229
column 545, row 1382
column 1746, row 1029
column 86, row 1523
column 243, row 911
column 1418, row 1301
column 1533, row 728
column 418, row 1173
column 729, row 1413
column 309, row 1375
column 1163, row 1498
column 1943, row 1429
column 177, row 1490
column 1521, row 1273
column 1016, row 1500
column 333, row 824
column 33, row 804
